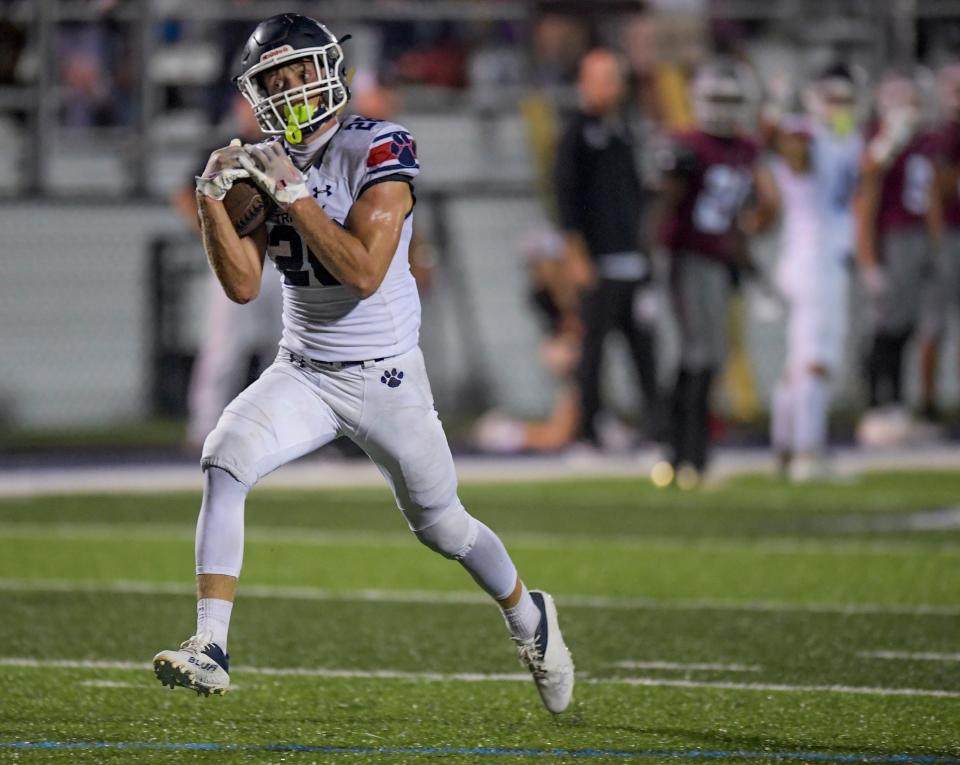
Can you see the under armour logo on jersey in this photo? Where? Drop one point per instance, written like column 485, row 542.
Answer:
column 327, row 190
column 392, row 378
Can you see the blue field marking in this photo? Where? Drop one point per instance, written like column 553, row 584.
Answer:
column 484, row 751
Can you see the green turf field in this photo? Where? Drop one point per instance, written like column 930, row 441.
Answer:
column 748, row 623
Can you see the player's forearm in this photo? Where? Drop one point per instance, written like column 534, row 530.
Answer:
column 580, row 273
column 934, row 218
column 866, row 243
column 865, row 206
column 761, row 215
column 236, row 269
column 343, row 254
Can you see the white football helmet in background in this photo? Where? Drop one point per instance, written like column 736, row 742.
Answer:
column 725, row 94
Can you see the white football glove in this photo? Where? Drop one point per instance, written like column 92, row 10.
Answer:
column 222, row 169
column 896, row 130
column 274, row 172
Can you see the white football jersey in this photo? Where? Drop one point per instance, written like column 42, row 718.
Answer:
column 817, row 214
column 321, row 318
column 800, row 234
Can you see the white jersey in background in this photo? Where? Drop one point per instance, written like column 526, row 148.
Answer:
column 818, row 228
column 800, row 230
column 813, row 274
column 836, row 168
column 322, row 319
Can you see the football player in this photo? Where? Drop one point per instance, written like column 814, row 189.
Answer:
column 894, row 245
column 711, row 175
column 943, row 298
column 349, row 362
column 816, row 174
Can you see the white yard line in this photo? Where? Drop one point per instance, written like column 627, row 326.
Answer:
column 687, row 666
column 942, row 519
column 776, row 687
column 911, row 655
column 326, row 473
column 164, row 532
column 474, row 677
column 474, row 598
column 110, row 684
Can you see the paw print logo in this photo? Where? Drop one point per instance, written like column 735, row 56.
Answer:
column 404, row 148
column 392, row 378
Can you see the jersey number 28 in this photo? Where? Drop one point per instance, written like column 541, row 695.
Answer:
column 295, row 271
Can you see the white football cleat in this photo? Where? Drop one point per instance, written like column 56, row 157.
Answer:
column 547, row 657
column 199, row 664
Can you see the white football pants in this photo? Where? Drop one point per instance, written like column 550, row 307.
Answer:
column 386, row 408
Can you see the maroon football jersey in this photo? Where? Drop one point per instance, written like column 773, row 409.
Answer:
column 907, row 184
column 949, row 155
column 718, row 174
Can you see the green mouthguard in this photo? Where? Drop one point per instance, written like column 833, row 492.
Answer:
column 295, row 117
column 844, row 123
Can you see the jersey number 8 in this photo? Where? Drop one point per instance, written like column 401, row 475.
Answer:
column 724, row 189
column 917, row 180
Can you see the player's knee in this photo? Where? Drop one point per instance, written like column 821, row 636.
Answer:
column 452, row 535
column 233, row 446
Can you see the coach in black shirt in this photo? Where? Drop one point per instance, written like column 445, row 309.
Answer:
column 600, row 208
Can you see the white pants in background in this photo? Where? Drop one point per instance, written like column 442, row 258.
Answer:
column 818, row 317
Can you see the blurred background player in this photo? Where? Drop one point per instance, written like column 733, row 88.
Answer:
column 942, row 301
column 710, row 172
column 816, row 174
column 895, row 253
column 599, row 202
column 233, row 335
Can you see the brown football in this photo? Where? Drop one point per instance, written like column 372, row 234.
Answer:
column 247, row 206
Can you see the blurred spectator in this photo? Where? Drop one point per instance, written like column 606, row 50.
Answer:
column 439, row 60
column 97, row 72
column 12, row 40
column 86, row 87
column 600, row 210
column 233, row 335
column 894, row 248
column 495, row 69
column 946, row 218
column 679, row 45
column 559, row 353
column 709, row 175
column 558, row 42
column 816, row 173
